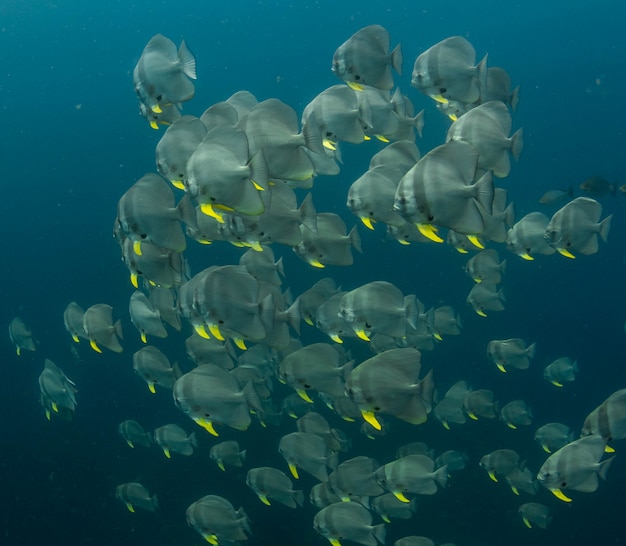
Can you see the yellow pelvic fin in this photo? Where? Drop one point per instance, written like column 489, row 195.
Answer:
column 206, row 425
column 361, row 333
column 143, row 337
column 439, row 98
column 371, row 419
column 501, row 367
column 211, row 539
column 221, row 466
column 208, row 209
column 151, row 387
column 151, row 283
column 304, row 395
column 48, row 415
column 130, row 444
column 527, row 523
column 317, row 263
column 178, row 184
column 515, row 490
column 355, row 86
column 309, row 321
column 560, row 495
column 156, row 109
column 18, row 350
column 437, row 336
column 294, row 471
column 75, row 338
column 526, row 256
column 345, row 498
column 445, row 425
column 367, row 222
column 472, row 416
column 367, row 137
column 382, row 138
column 329, row 144
column 257, row 186
column 385, row 518
column 403, row 241
column 167, row 453
column 493, row 476
column 400, row 496
column 475, row 241
column 94, row 346
column 201, row 331
column 130, row 507
column 154, row 125
column 565, row 252
column 256, row 246
column 215, row 331
column 137, row 248
column 545, row 448
column 511, row 425
column 238, row 244
column 348, row 418
column 461, row 250
column 480, row 312
column 133, row 280
column 429, row 231
column 55, row 407
column 334, row 542
column 240, row 343
column 556, row 383
column 453, row 117
column 204, row 241
column 477, row 280
column 336, row 338
column 224, row 207
column 264, row 499
column 609, row 449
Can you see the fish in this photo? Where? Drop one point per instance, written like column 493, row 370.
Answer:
column 349, row 521
column 315, row 296
column 486, row 266
column 575, row 227
column 446, row 322
column 168, row 115
column 596, row 186
column 217, row 521
column 516, row 413
column 500, row 462
column 261, row 265
column 609, row 419
column 162, row 300
column 447, row 71
column 21, row 336
column 388, row 506
column 271, row 483
column 380, row 307
column 227, row 453
column 176, row 146
column 133, row 433
column 101, row 330
column 498, row 87
column 439, row 191
column 57, row 390
column 523, row 479
column 134, row 494
column 330, row 245
column 144, row 317
column 452, row 459
column 365, row 59
column 210, row 396
column 526, row 237
column 485, row 296
column 201, row 350
column 172, row 438
column 487, row 128
column 147, row 213
column 313, row 422
column 502, row 218
column 412, row 474
column 389, row 383
column 309, row 452
column 73, row 321
column 560, row 371
column 575, row 466
column 510, row 353
column 449, row 410
column 480, row 403
column 155, row 369
column 553, row 436
column 534, row 513
column 552, row 197
column 355, row 477
column 163, row 74
column 158, row 266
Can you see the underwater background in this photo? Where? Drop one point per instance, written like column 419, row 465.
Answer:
column 73, row 142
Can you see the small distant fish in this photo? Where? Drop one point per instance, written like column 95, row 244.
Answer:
column 154, row 368
column 134, row 494
column 21, row 336
column 553, row 436
column 596, row 186
column 271, row 483
column 349, row 521
column 134, row 433
column 556, row 196
column 101, row 330
column 534, row 513
column 560, row 371
column 510, row 353
column 172, row 438
column 516, row 413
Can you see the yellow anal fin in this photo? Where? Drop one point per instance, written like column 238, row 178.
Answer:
column 48, row 415
column 156, row 109
column 258, row 186
column 515, row 490
column 556, row 383
column 511, row 425
column 211, row 539
column 560, row 495
column 438, row 336
column 382, row 138
column 461, row 250
column 334, row 542
column 304, row 395
column 429, row 231
column 445, row 425
column 201, row 331
column 309, row 321
column 55, row 407
column 371, row 419
column 565, row 252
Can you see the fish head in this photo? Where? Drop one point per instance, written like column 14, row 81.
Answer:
column 405, row 203
column 339, row 67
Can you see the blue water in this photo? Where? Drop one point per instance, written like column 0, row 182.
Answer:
column 73, row 142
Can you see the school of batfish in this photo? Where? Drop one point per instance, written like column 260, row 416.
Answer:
column 237, row 173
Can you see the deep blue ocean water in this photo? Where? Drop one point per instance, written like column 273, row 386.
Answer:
column 73, row 142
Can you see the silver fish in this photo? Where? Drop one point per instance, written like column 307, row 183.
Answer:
column 271, row 483
column 134, row 494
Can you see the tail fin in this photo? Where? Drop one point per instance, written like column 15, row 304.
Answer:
column 396, row 59
column 517, row 143
column 605, row 226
